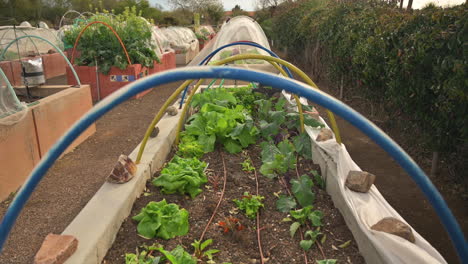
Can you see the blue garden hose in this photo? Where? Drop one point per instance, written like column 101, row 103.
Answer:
column 242, row 43
column 314, row 95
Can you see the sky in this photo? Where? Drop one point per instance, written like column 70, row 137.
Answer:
column 247, row 5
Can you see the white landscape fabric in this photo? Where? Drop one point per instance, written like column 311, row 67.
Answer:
column 362, row 210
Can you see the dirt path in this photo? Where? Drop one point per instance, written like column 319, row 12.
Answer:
column 397, row 186
column 74, row 179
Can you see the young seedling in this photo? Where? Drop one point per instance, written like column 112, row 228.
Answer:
column 230, row 224
column 200, row 252
column 247, row 165
column 250, row 204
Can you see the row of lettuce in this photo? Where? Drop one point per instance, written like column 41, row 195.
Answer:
column 415, row 62
column 232, row 119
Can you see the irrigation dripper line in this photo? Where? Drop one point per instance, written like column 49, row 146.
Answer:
column 219, row 201
column 259, row 240
column 364, row 125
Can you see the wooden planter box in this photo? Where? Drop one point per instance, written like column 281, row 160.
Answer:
column 114, row 80
column 54, row 65
column 23, row 144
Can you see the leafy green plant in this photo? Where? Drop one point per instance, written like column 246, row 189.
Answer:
column 285, row 203
column 232, row 127
column 99, row 44
column 189, row 147
column 142, row 257
column 277, row 160
column 184, row 176
column 178, row 255
column 313, row 236
column 250, row 204
column 160, row 219
column 327, row 261
column 247, row 165
column 307, row 213
column 302, row 190
column 200, row 252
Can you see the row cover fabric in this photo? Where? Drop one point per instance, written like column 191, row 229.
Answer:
column 181, row 39
column 240, row 28
column 363, row 210
column 11, row 111
column 27, row 46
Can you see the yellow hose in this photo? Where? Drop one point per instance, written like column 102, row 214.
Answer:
column 271, row 60
column 158, row 117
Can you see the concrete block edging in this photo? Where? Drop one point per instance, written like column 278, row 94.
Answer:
column 97, row 224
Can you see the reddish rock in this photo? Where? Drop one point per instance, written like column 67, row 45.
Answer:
column 123, row 171
column 56, row 249
column 395, row 227
column 360, row 181
column 324, row 135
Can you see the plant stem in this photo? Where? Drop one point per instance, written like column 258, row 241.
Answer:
column 258, row 218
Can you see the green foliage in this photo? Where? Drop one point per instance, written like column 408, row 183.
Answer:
column 178, row 256
column 302, row 190
column 184, row 176
column 189, row 147
column 312, row 235
column 142, row 257
column 250, row 204
column 327, row 261
column 220, row 120
column 307, row 213
column 247, row 165
column 318, row 179
column 99, row 44
column 163, row 220
column 277, row 160
column 285, row 203
column 200, row 252
column 415, row 62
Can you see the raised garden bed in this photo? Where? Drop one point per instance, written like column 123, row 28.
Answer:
column 55, row 109
column 268, row 151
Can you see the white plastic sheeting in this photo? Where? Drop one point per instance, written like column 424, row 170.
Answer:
column 181, row 39
column 11, row 110
column 240, row 28
column 363, row 210
column 163, row 42
column 27, row 46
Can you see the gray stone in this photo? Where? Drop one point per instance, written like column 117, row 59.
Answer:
column 324, row 135
column 172, row 110
column 155, row 132
column 360, row 181
column 395, row 227
column 123, row 171
column 56, row 249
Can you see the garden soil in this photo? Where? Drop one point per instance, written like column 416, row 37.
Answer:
column 241, row 246
column 76, row 177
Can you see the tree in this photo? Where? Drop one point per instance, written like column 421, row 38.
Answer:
column 213, row 13
column 238, row 11
column 193, row 5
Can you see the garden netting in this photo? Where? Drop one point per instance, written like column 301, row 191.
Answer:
column 11, row 110
column 181, row 39
column 27, row 46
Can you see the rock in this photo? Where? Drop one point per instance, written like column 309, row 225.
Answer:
column 155, row 132
column 324, row 135
column 123, row 171
column 172, row 110
column 395, row 227
column 360, row 181
column 56, row 249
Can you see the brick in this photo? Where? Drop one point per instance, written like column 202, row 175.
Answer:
column 360, row 181
column 324, row 135
column 395, row 227
column 56, row 249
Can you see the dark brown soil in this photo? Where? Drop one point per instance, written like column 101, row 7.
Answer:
column 74, row 179
column 241, row 246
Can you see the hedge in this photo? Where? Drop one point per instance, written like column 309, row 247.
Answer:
column 416, row 61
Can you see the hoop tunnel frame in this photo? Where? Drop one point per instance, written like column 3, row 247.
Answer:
column 317, row 96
